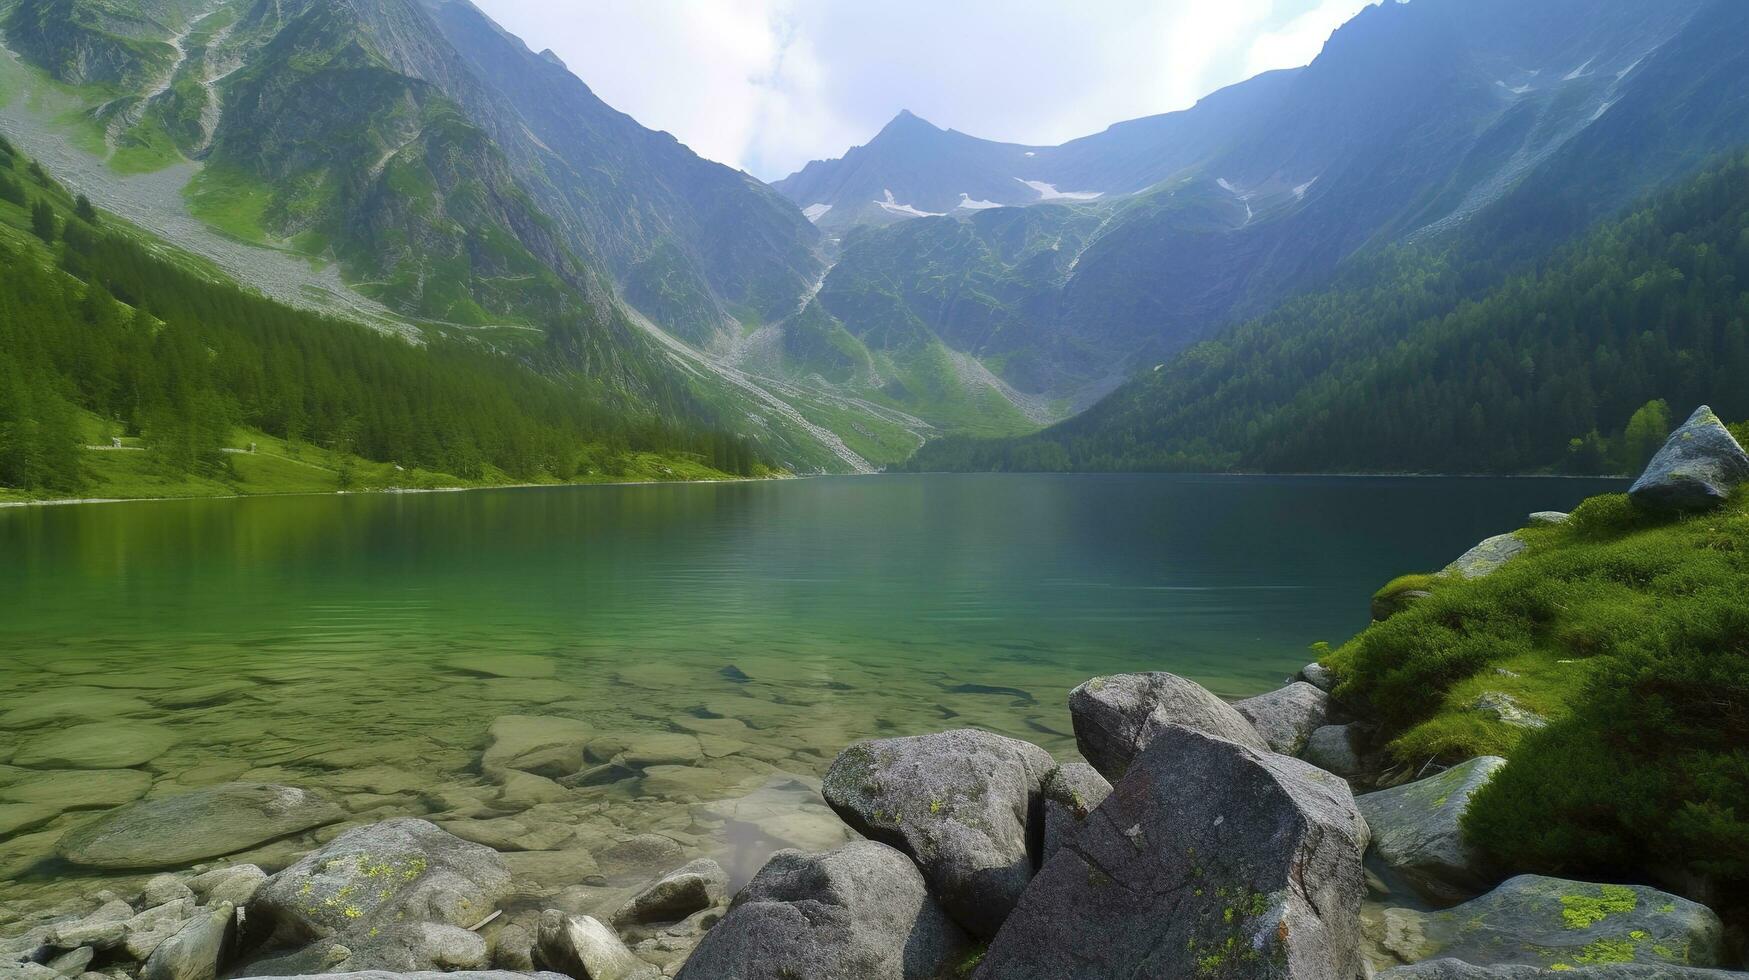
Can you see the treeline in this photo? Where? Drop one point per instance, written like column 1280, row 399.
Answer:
column 91, row 319
column 1445, row 361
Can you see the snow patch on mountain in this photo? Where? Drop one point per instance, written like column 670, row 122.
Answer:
column 1049, row 192
column 967, row 204
column 892, row 206
column 814, row 212
column 1300, row 191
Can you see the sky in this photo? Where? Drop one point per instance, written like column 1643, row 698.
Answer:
column 767, row 85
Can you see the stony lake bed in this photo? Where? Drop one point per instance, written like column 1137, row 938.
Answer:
column 605, row 683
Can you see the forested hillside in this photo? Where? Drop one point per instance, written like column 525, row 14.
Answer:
column 106, row 334
column 1445, row 359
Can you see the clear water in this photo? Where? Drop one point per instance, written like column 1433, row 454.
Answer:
column 363, row 644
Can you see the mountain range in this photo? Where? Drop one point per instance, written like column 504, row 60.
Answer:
column 412, row 164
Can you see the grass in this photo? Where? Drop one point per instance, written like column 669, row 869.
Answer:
column 231, row 202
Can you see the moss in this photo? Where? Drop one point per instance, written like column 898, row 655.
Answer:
column 1584, row 911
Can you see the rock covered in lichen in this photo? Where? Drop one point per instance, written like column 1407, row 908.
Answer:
column 1417, row 830
column 1209, row 858
column 1115, row 717
column 1697, row 468
column 1488, row 557
column 1556, row 924
column 962, row 804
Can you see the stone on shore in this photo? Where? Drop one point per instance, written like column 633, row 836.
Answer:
column 1116, row 716
column 1697, row 468
column 544, row 746
column 1459, row 970
column 1208, row 858
column 700, row 885
column 172, row 831
column 1417, row 830
column 99, row 745
column 200, row 950
column 1556, row 924
column 581, row 947
column 1549, row 518
column 1287, row 716
column 860, row 912
column 960, row 803
column 362, row 901
column 236, row 883
column 1488, row 557
column 1071, row 794
column 1319, row 676
column 420, row 975
column 1337, row 749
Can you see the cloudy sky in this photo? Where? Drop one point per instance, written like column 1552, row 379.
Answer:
column 767, row 85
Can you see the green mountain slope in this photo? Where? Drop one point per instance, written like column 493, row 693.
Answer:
column 1425, row 360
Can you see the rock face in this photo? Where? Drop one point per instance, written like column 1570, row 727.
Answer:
column 1071, row 793
column 698, row 886
column 1698, row 467
column 965, row 805
column 582, row 948
column 1208, row 858
column 1487, row 558
column 199, row 951
column 1287, row 716
column 1416, row 830
column 172, row 831
column 1556, row 924
column 860, row 912
column 376, row 892
column 1459, row 970
column 1116, row 716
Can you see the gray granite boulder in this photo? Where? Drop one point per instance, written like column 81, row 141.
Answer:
column 965, row 805
column 1459, row 970
column 582, row 948
column 860, row 912
column 1287, row 716
column 199, row 951
column 1556, row 924
column 1488, row 557
column 1549, row 518
column 1338, row 749
column 424, row 975
column 1417, row 830
column 362, row 902
column 1116, row 716
column 172, row 831
column 1698, row 467
column 1319, row 676
column 1071, row 794
column 1208, row 858
column 700, row 885
column 234, row 883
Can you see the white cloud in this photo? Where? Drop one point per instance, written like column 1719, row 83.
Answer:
column 769, row 84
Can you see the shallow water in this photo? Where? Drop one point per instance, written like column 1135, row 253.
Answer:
column 362, row 645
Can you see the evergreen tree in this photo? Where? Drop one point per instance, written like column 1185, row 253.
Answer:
column 42, row 221
column 83, row 209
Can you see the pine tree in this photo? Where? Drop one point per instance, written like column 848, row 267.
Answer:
column 42, row 221
column 86, row 213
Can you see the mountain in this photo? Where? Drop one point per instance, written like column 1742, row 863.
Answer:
column 1412, row 121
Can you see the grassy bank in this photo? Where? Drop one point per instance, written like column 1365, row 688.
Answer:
column 1610, row 665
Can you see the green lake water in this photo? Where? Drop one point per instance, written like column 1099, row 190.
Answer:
column 723, row 641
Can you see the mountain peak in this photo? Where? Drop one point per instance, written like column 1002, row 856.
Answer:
column 908, row 121
column 550, row 55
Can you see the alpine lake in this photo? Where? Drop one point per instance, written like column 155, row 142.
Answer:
column 711, row 647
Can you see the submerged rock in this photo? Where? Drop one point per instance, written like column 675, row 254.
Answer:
column 960, row 803
column 544, row 746
column 1115, row 717
column 1417, row 830
column 1287, row 716
column 699, row 885
column 76, row 789
column 581, row 947
column 1208, row 858
column 1071, row 794
column 1556, row 924
column 172, row 831
column 99, row 745
column 860, row 912
column 1697, row 468
column 1488, row 557
column 364, row 901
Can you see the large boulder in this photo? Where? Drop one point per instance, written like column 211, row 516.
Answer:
column 1697, row 468
column 582, row 948
column 964, row 805
column 1287, row 716
column 1417, row 830
column 173, row 831
column 1488, row 557
column 391, row 895
column 1115, row 717
column 1459, row 970
column 860, row 912
column 1338, row 749
column 1208, row 858
column 1556, row 924
column 1071, row 794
